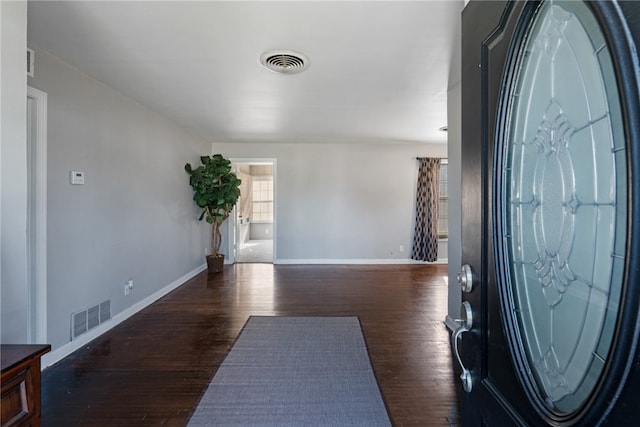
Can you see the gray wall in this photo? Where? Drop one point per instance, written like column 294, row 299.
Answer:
column 13, row 223
column 341, row 201
column 134, row 218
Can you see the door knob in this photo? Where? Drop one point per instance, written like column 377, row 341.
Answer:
column 465, row 325
column 465, row 278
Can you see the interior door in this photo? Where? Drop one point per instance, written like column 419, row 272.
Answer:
column 550, row 213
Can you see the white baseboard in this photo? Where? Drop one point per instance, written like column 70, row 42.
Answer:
column 356, row 261
column 61, row 352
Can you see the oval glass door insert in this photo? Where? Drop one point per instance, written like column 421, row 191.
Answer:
column 561, row 205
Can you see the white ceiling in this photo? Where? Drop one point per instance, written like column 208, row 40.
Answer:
column 378, row 70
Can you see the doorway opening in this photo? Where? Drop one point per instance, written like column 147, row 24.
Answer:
column 254, row 215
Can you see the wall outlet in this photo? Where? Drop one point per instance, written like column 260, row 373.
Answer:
column 401, row 248
column 128, row 287
column 76, row 177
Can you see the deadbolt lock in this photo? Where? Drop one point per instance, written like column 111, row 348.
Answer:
column 465, row 278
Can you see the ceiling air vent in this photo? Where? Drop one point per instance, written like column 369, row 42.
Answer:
column 284, row 61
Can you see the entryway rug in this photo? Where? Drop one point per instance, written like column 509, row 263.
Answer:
column 295, row 371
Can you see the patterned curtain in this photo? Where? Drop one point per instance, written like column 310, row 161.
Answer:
column 425, row 238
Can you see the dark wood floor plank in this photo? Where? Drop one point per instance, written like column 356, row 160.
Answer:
column 152, row 369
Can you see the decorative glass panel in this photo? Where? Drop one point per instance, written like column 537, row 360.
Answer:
column 562, row 195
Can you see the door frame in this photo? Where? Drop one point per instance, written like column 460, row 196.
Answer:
column 233, row 223
column 37, row 256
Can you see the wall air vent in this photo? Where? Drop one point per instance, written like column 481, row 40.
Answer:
column 284, row 61
column 85, row 320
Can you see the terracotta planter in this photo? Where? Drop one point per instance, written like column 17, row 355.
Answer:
column 215, row 263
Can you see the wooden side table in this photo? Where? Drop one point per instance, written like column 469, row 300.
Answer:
column 20, row 384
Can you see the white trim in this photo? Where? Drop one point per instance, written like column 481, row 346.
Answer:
column 40, row 267
column 358, row 261
column 60, row 353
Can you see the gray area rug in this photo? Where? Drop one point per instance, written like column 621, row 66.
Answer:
column 295, row 371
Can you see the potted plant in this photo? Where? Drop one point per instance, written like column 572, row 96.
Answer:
column 216, row 190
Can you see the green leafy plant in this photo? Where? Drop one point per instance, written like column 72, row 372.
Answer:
column 216, row 190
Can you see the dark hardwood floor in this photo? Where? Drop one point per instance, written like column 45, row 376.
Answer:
column 152, row 369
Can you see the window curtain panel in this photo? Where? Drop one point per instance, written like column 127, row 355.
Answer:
column 425, row 238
